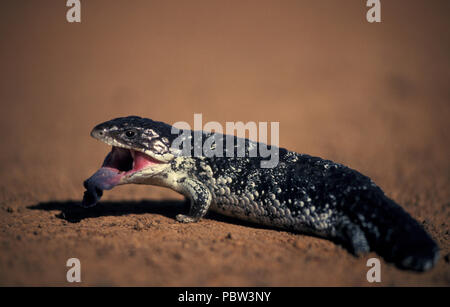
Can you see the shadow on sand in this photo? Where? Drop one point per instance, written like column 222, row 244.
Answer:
column 72, row 211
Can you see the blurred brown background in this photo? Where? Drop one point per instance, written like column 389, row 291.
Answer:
column 372, row 96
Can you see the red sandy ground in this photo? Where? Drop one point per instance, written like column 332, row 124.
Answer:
column 372, row 96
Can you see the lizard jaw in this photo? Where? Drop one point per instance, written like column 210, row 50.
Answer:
column 119, row 166
column 128, row 161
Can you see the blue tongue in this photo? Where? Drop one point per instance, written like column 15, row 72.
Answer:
column 104, row 179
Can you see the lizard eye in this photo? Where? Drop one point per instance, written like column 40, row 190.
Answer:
column 130, row 134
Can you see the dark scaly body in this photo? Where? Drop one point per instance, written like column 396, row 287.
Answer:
column 302, row 193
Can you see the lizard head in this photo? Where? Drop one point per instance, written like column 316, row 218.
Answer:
column 140, row 150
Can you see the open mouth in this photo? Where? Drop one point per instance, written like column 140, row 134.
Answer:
column 128, row 161
column 118, row 164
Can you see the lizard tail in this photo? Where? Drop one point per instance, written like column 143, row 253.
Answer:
column 379, row 224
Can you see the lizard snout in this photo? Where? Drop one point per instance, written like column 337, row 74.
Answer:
column 97, row 133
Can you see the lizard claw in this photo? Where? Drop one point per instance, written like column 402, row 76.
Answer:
column 185, row 219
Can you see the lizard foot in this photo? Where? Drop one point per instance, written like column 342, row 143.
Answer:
column 353, row 237
column 186, row 219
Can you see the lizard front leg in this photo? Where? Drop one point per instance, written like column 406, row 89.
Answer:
column 200, row 198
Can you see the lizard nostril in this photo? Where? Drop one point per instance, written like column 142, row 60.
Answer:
column 97, row 133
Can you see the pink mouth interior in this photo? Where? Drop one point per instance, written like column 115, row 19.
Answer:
column 127, row 161
column 118, row 163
